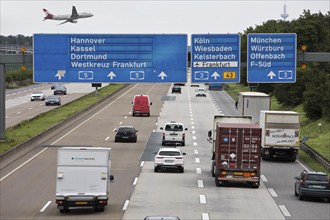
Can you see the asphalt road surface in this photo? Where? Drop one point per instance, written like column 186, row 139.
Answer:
column 27, row 186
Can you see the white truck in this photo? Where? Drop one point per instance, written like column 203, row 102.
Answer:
column 212, row 133
column 280, row 134
column 83, row 177
column 251, row 103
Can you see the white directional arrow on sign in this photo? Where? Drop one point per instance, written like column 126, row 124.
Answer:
column 60, row 74
column 111, row 75
column 215, row 75
column 271, row 74
column 162, row 75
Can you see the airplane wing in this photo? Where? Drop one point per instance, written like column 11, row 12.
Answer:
column 64, row 22
column 74, row 14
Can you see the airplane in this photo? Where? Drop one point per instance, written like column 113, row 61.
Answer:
column 68, row 18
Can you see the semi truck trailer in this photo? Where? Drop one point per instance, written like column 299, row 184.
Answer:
column 251, row 103
column 280, row 134
column 237, row 153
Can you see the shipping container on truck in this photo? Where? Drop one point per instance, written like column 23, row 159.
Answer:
column 218, row 119
column 237, row 153
column 83, row 178
column 251, row 103
column 280, row 134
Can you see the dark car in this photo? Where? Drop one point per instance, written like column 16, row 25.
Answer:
column 176, row 89
column 126, row 133
column 59, row 89
column 312, row 184
column 179, row 84
column 53, row 100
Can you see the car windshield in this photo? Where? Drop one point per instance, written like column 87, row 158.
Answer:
column 37, row 92
column 125, row 129
column 173, row 127
column 169, row 153
column 52, row 98
column 315, row 177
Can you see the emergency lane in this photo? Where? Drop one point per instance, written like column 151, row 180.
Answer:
column 37, row 200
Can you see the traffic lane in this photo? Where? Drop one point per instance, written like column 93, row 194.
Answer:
column 125, row 156
column 157, row 193
column 280, row 176
column 28, row 110
column 283, row 184
column 19, row 106
column 224, row 103
column 51, row 197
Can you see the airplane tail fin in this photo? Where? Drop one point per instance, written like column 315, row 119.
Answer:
column 48, row 15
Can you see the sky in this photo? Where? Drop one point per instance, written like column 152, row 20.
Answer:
column 150, row 16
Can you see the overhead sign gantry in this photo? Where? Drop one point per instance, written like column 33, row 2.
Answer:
column 272, row 58
column 97, row 58
column 215, row 58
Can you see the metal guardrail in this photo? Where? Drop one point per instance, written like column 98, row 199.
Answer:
column 311, row 152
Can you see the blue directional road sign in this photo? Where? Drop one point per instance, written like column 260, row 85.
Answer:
column 98, row 58
column 215, row 58
column 272, row 58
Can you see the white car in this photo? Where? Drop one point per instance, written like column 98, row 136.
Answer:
column 173, row 133
column 38, row 95
column 171, row 158
column 201, row 92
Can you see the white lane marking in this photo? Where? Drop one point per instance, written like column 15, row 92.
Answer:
column 284, row 210
column 192, row 127
column 272, row 192
column 125, row 117
column 200, row 183
column 30, row 108
column 192, row 122
column 263, row 178
column 107, row 138
column 194, row 137
column 197, row 160
column 191, row 119
column 125, row 205
column 67, row 133
column 195, row 143
column 135, row 181
column 202, row 199
column 205, row 216
column 195, row 151
column 191, row 115
column 17, row 168
column 17, row 113
column 303, row 165
column 198, row 170
column 142, row 163
column 120, row 123
column 194, row 132
column 190, row 112
column 45, row 206
column 42, row 104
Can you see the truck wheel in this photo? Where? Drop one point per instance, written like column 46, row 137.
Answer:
column 217, row 182
column 212, row 171
column 99, row 209
column 163, row 143
column 155, row 169
column 183, row 144
column 181, row 170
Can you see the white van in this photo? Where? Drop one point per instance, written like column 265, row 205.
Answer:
column 173, row 133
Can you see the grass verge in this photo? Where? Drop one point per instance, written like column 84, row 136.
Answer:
column 30, row 128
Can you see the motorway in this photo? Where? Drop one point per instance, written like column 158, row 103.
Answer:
column 27, row 186
column 20, row 108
